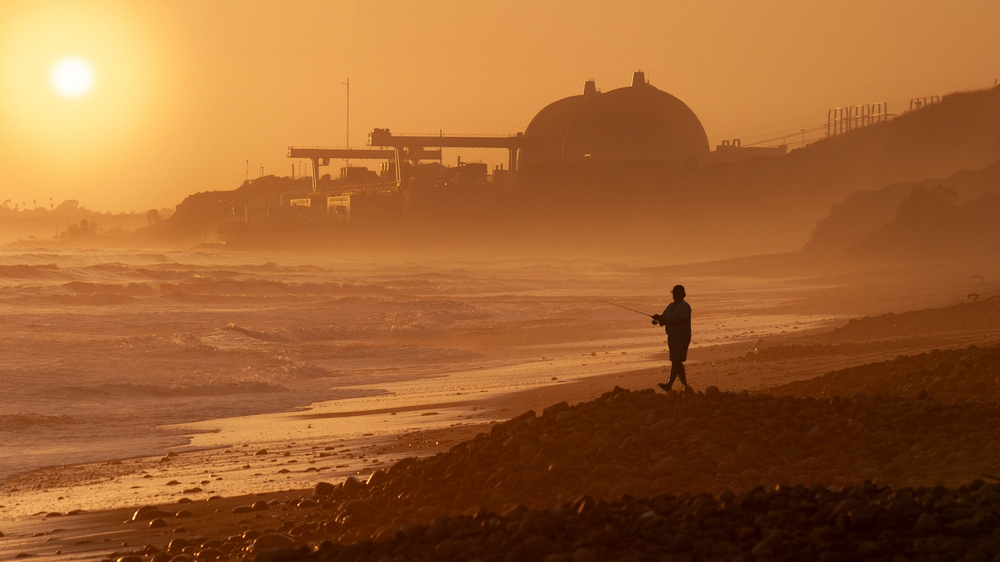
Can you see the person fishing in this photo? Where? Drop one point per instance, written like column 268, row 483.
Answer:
column 676, row 319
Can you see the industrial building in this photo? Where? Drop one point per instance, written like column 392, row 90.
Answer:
column 635, row 123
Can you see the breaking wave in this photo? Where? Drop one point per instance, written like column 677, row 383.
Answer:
column 19, row 422
column 263, row 335
column 110, row 267
column 129, row 289
column 165, row 274
column 310, row 371
column 188, row 298
column 259, row 287
column 412, row 330
column 24, row 271
column 131, row 390
column 94, row 299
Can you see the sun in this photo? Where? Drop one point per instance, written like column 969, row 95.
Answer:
column 72, row 77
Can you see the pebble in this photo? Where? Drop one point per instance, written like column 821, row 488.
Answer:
column 271, row 541
column 209, row 554
column 324, row 489
column 148, row 512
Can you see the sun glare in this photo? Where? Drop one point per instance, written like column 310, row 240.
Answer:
column 72, row 77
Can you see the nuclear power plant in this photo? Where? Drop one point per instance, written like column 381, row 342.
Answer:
column 638, row 122
column 634, row 124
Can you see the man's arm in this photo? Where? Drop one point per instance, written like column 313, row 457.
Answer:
column 659, row 319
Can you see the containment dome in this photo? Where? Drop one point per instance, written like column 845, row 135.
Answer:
column 638, row 122
column 547, row 131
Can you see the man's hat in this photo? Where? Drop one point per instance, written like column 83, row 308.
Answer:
column 678, row 290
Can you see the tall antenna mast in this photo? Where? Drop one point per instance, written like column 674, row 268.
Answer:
column 348, row 84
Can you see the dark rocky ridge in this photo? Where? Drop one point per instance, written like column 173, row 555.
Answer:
column 632, row 446
column 858, row 523
column 691, row 477
column 641, row 444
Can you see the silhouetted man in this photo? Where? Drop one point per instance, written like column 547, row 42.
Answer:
column 676, row 318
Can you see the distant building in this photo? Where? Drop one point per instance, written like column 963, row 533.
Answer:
column 638, row 122
column 338, row 207
column 297, row 198
column 358, row 175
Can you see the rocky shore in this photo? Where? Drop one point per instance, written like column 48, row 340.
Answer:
column 891, row 460
column 641, row 475
column 868, row 522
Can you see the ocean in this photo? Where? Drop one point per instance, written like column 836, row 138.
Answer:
column 104, row 352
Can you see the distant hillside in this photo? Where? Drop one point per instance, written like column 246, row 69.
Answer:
column 68, row 223
column 951, row 219
column 932, row 224
column 952, row 214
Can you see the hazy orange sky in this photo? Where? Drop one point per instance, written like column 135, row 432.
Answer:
column 185, row 92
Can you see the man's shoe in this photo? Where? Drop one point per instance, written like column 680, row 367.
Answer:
column 665, row 387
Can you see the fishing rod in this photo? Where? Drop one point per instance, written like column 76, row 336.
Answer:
column 626, row 308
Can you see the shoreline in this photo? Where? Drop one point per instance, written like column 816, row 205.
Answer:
column 394, row 414
column 242, row 474
column 710, row 366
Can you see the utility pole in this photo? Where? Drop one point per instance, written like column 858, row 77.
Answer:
column 348, row 84
column 248, row 172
